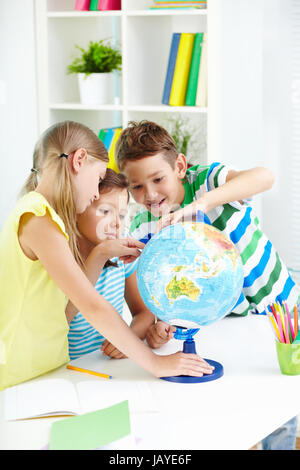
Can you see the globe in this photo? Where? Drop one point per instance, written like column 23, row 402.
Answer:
column 190, row 274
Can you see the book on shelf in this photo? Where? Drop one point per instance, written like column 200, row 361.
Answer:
column 186, row 4
column 82, row 5
column 186, row 77
column 93, row 5
column 109, row 5
column 201, row 98
column 171, row 67
column 109, row 137
column 191, row 92
column 182, row 68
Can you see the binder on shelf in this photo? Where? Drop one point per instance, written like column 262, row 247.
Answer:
column 109, row 137
column 102, row 134
column 111, row 154
column 191, row 92
column 82, row 5
column 94, row 5
column 201, row 98
column 171, row 67
column 109, row 4
column 182, row 68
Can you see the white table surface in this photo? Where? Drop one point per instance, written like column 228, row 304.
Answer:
column 250, row 401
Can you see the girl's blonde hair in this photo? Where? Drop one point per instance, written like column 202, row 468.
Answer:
column 64, row 138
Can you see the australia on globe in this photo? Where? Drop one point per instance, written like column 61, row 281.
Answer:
column 190, row 274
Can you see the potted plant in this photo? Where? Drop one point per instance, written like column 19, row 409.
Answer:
column 94, row 69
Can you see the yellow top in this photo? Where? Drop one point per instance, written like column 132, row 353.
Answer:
column 33, row 326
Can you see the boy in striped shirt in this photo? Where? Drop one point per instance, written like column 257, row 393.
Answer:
column 160, row 180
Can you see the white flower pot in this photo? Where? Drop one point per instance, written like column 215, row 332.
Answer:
column 96, row 88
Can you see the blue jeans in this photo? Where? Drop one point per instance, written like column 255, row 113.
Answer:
column 284, row 438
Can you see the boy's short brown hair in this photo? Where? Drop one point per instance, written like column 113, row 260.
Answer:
column 144, row 139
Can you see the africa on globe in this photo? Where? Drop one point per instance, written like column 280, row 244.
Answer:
column 190, row 274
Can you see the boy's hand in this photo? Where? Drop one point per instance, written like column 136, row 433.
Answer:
column 186, row 213
column 110, row 350
column 159, row 334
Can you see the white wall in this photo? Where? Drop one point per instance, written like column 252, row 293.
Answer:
column 235, row 85
column 18, row 106
column 280, row 42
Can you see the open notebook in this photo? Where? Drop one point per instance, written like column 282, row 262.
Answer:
column 60, row 397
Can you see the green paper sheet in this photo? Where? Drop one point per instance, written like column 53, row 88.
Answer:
column 91, row 430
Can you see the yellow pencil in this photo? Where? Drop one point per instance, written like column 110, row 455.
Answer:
column 278, row 308
column 79, row 369
column 274, row 325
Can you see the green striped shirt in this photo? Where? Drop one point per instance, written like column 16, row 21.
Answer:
column 266, row 278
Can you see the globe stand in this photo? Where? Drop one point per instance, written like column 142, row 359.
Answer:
column 189, row 347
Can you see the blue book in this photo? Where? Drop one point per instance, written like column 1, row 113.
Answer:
column 171, row 67
column 108, row 138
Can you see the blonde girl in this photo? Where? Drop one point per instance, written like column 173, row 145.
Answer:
column 41, row 267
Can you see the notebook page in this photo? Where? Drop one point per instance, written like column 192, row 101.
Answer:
column 49, row 397
column 94, row 395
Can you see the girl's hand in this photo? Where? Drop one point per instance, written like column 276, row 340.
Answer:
column 126, row 249
column 110, row 350
column 182, row 364
column 159, row 334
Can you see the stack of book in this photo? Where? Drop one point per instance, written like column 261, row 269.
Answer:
column 186, row 78
column 158, row 4
column 109, row 137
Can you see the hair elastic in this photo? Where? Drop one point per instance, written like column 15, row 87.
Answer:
column 34, row 170
column 63, row 155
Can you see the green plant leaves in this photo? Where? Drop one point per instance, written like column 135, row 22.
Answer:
column 98, row 58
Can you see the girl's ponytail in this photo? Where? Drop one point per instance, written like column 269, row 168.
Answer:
column 32, row 180
column 57, row 142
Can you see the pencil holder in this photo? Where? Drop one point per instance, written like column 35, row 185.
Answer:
column 288, row 358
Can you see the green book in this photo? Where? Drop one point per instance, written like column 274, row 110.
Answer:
column 191, row 93
column 91, row 430
column 94, row 5
column 102, row 134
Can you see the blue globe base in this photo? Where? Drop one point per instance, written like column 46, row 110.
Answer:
column 189, row 347
column 217, row 373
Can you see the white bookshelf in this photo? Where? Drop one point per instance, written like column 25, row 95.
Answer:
column 144, row 36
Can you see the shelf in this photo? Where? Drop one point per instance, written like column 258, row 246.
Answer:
column 99, row 14
column 135, row 108
column 166, row 12
column 83, row 14
column 86, row 107
column 167, row 109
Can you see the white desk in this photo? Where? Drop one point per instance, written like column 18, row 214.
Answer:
column 236, row 411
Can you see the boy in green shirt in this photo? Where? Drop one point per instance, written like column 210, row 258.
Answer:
column 170, row 192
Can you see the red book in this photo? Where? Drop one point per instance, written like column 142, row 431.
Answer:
column 82, row 5
column 109, row 5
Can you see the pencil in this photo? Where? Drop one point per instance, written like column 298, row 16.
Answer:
column 290, row 321
column 276, row 331
column 282, row 318
column 79, row 369
column 295, row 320
column 280, row 329
column 287, row 336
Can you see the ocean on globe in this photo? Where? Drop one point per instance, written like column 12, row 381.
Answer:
column 190, row 274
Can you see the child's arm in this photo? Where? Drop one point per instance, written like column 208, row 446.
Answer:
column 142, row 317
column 239, row 185
column 42, row 238
column 127, row 249
column 159, row 333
